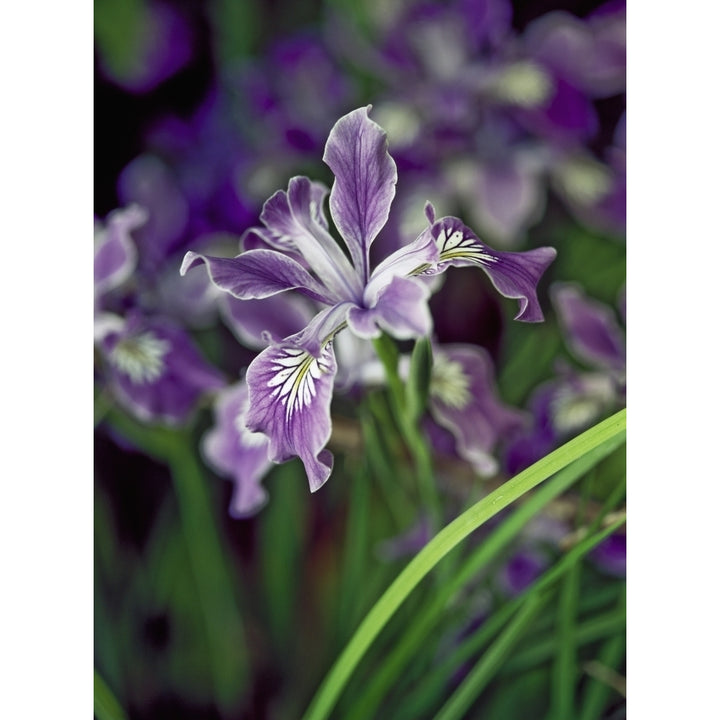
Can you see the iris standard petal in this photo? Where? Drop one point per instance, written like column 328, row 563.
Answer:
column 290, row 394
column 258, row 274
column 364, row 187
column 514, row 274
column 296, row 222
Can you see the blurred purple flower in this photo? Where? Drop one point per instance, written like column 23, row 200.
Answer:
column 611, row 554
column 150, row 365
column 153, row 368
column 233, row 451
column 463, row 400
column 291, row 381
column 573, row 400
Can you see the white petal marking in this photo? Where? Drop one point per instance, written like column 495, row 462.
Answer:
column 459, row 245
column 295, row 374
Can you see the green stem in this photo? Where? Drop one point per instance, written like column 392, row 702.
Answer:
column 605, row 432
column 412, row 434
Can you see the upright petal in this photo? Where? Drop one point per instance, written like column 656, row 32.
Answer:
column 258, row 274
column 514, row 274
column 364, row 187
column 296, row 221
column 290, row 394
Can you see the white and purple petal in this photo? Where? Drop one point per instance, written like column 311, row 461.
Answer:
column 290, row 394
column 514, row 274
column 258, row 274
column 231, row 450
column 296, row 222
column 364, row 187
column 400, row 309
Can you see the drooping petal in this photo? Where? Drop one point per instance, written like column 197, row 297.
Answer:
column 295, row 221
column 257, row 274
column 115, row 251
column 231, row 450
column 591, row 330
column 463, row 399
column 514, row 274
column 290, row 394
column 364, row 187
column 400, row 309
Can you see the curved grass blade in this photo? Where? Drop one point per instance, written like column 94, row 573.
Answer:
column 433, row 684
column 413, row 639
column 448, row 538
column 105, row 703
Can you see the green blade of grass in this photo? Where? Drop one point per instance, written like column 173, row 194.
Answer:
column 413, row 639
column 478, row 678
column 597, row 693
column 434, row 683
column 564, row 675
column 605, row 432
column 105, row 703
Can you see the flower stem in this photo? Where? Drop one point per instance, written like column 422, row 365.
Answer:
column 409, row 427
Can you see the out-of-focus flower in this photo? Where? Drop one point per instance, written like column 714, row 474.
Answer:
column 574, row 400
column 115, row 251
column 233, row 451
column 150, row 364
column 152, row 367
column 611, row 554
column 291, row 381
column 463, row 400
column 142, row 44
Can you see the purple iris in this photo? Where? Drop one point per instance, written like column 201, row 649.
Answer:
column 291, row 381
column 150, row 365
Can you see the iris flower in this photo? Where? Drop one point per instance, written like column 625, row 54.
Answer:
column 291, row 382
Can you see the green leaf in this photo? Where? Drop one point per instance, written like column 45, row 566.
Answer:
column 606, row 432
column 105, row 704
column 478, row 678
column 564, row 675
